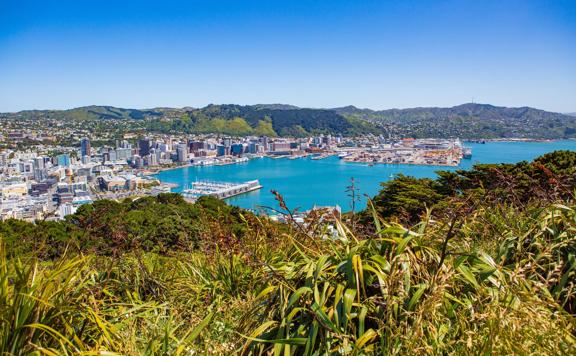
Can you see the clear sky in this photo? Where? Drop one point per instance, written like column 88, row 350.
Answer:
column 57, row 54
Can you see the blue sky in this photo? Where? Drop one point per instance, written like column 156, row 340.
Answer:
column 376, row 54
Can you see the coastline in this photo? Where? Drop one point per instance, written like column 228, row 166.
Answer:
column 325, row 182
column 164, row 169
column 538, row 140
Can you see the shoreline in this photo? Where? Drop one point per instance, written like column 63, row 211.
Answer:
column 511, row 140
column 164, row 169
column 400, row 164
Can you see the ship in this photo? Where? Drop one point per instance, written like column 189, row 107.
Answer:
column 467, row 153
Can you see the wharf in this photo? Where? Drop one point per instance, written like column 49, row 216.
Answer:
column 220, row 190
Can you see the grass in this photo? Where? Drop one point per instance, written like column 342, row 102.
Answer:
column 480, row 282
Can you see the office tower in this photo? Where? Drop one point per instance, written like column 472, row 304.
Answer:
column 85, row 147
column 144, row 146
column 182, row 151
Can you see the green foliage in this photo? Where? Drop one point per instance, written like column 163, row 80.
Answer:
column 238, row 126
column 397, row 291
column 407, row 197
column 162, row 224
column 264, row 128
column 471, row 121
column 77, row 305
column 269, row 121
column 548, row 177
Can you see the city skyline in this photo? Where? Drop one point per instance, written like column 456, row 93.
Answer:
column 372, row 55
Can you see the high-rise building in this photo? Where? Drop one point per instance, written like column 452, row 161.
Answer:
column 144, row 146
column 39, row 169
column 137, row 161
column 63, row 160
column 123, row 153
column 153, row 160
column 182, row 151
column 123, row 144
column 85, row 149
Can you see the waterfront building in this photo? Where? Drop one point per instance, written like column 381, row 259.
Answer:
column 182, row 152
column 264, row 141
column 253, row 147
column 280, row 146
column 197, row 146
column 237, row 149
column 220, row 150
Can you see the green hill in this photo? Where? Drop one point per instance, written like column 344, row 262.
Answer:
column 468, row 121
column 93, row 112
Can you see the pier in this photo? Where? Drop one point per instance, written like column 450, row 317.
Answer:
column 220, row 190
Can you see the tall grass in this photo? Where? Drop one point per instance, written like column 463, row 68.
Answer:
column 435, row 288
column 70, row 306
column 495, row 280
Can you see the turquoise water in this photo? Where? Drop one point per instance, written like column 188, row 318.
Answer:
column 305, row 182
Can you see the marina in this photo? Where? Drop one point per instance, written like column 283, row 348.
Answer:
column 220, row 190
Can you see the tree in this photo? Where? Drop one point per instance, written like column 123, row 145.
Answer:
column 264, row 128
column 407, row 197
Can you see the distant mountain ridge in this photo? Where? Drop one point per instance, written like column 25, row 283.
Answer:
column 469, row 120
column 469, row 109
column 92, row 112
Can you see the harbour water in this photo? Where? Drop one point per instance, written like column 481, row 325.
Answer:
column 304, row 182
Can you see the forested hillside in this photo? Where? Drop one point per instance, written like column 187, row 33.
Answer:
column 468, row 121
